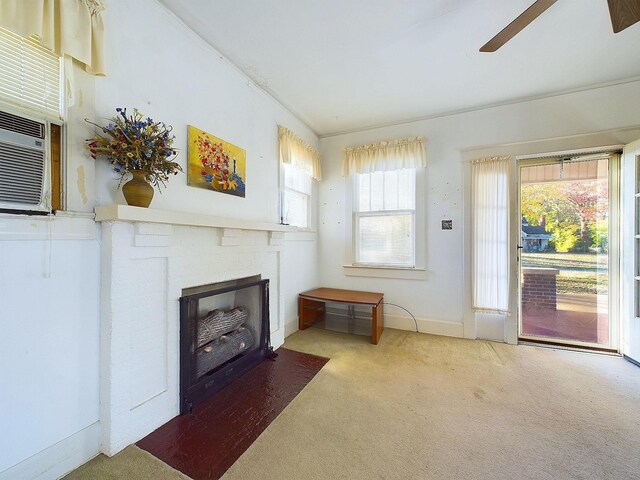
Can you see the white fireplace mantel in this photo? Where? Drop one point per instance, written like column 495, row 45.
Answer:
column 148, row 257
column 126, row 213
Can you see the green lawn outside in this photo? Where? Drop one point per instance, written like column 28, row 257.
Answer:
column 569, row 281
column 566, row 261
column 579, row 272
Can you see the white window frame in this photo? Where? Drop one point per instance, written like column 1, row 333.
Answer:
column 285, row 190
column 352, row 268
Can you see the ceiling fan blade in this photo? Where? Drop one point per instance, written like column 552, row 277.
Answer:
column 525, row 18
column 624, row 13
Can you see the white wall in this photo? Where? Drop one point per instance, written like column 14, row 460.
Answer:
column 49, row 319
column 441, row 303
column 166, row 71
column 181, row 80
column 49, row 285
column 300, row 273
column 49, row 342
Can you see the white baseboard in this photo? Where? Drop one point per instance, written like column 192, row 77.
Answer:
column 290, row 327
column 59, row 459
column 490, row 326
column 425, row 325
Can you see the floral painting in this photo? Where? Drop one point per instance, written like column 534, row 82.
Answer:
column 215, row 164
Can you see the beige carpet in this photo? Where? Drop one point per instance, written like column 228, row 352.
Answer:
column 421, row 407
column 424, row 407
column 132, row 463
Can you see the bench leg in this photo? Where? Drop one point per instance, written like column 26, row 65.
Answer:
column 301, row 325
column 377, row 317
column 309, row 312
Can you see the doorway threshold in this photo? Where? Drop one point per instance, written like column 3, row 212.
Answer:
column 566, row 346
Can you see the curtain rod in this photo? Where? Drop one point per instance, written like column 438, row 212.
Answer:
column 575, row 154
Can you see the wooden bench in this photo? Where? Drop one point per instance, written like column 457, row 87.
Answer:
column 311, row 307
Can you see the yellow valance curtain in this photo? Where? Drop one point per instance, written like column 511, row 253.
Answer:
column 296, row 152
column 385, row 156
column 67, row 27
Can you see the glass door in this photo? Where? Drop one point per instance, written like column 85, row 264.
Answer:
column 631, row 253
column 565, row 251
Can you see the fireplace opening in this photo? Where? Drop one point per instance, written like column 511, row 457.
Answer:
column 224, row 333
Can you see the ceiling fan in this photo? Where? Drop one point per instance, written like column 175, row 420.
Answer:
column 624, row 13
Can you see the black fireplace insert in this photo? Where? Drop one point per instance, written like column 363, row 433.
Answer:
column 224, row 333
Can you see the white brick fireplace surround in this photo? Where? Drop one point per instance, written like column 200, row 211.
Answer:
column 148, row 257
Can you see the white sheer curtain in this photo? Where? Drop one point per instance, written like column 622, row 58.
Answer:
column 296, row 152
column 385, row 156
column 490, row 234
column 71, row 28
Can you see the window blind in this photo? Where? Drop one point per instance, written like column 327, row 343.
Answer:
column 30, row 74
column 385, row 218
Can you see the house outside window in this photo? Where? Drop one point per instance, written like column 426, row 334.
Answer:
column 534, row 238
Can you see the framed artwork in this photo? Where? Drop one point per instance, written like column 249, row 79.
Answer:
column 215, row 164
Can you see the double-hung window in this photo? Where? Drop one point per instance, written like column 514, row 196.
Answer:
column 384, row 176
column 300, row 166
column 384, row 218
column 297, row 197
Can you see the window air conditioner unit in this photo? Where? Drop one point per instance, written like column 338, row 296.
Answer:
column 24, row 166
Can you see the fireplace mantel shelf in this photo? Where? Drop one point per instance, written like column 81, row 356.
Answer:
column 126, row 213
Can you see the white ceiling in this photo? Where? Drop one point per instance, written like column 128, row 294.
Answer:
column 349, row 64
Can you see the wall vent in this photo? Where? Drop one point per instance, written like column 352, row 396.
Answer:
column 25, row 126
column 23, row 163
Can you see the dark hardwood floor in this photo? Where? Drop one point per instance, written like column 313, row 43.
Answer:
column 204, row 445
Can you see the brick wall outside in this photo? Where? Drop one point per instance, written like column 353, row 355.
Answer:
column 539, row 288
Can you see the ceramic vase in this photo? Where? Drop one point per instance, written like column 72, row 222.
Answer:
column 137, row 191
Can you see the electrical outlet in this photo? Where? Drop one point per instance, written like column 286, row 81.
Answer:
column 447, row 224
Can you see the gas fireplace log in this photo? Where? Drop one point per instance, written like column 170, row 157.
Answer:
column 209, row 362
column 215, row 353
column 218, row 322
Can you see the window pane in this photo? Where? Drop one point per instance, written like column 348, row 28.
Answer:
column 377, row 191
column 296, row 179
column 296, row 209
column 386, row 239
column 407, row 189
column 391, row 190
column 380, row 191
column 364, row 193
